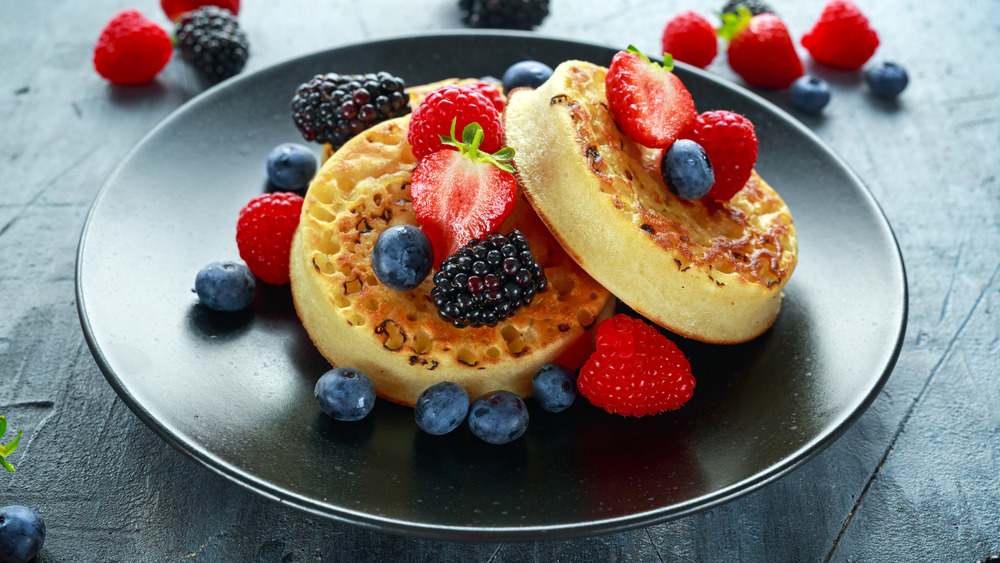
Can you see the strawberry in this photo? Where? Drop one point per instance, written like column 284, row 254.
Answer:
column 690, row 38
column 842, row 38
column 433, row 119
column 761, row 50
column 131, row 49
column 649, row 103
column 460, row 195
column 635, row 370
column 174, row 9
column 264, row 234
column 731, row 144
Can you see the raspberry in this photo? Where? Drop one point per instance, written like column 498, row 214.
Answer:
column 264, row 234
column 842, row 38
column 433, row 118
column 731, row 144
column 690, row 38
column 491, row 92
column 131, row 49
column 635, row 370
column 211, row 40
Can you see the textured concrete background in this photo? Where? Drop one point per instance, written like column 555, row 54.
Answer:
column 916, row 478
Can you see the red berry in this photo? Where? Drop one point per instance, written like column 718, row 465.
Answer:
column 731, row 144
column 264, row 234
column 491, row 92
column 434, row 116
column 649, row 103
column 174, row 9
column 131, row 49
column 842, row 38
column 635, row 370
column 761, row 50
column 464, row 194
column 690, row 38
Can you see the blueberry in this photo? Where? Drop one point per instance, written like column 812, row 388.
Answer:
column 291, row 166
column 22, row 533
column 441, row 408
column 345, row 394
column 402, row 257
column 498, row 417
column 886, row 79
column 554, row 388
column 686, row 170
column 809, row 94
column 526, row 73
column 225, row 286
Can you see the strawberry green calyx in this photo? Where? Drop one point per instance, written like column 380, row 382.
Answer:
column 472, row 137
column 9, row 448
column 668, row 59
column 733, row 24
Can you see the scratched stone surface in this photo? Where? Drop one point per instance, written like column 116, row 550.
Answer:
column 916, row 478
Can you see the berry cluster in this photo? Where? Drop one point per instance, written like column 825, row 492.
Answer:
column 503, row 14
column 487, row 280
column 332, row 108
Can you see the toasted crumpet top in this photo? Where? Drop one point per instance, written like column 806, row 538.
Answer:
column 708, row 270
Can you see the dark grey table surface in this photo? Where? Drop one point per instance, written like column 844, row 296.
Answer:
column 914, row 479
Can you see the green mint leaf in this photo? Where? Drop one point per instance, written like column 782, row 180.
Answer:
column 3, row 426
column 13, row 444
column 6, row 465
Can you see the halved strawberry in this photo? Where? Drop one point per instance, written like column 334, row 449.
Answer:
column 464, row 194
column 649, row 103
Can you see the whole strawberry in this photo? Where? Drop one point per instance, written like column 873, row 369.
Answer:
column 731, row 144
column 635, row 370
column 842, row 38
column 649, row 103
column 433, row 119
column 690, row 38
column 131, row 49
column 264, row 234
column 464, row 194
column 174, row 9
column 761, row 51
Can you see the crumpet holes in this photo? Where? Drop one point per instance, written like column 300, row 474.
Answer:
column 466, row 356
column 356, row 319
column 422, row 342
column 392, row 337
column 585, row 318
column 515, row 343
column 371, row 304
column 493, row 353
column 321, row 214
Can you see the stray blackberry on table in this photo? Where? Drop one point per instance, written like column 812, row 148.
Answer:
column 504, row 14
column 211, row 40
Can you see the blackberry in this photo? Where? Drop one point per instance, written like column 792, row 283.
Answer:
column 487, row 280
column 503, row 14
column 210, row 39
column 332, row 108
column 755, row 6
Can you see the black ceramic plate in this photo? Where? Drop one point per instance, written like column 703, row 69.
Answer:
column 235, row 392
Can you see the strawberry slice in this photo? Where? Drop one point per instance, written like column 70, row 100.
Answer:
column 648, row 101
column 462, row 195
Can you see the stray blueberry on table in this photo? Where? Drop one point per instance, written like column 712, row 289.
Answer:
column 225, row 286
column 498, row 417
column 345, row 394
column 402, row 257
column 554, row 387
column 22, row 533
column 809, row 94
column 530, row 74
column 887, row 80
column 291, row 166
column 686, row 170
column 441, row 408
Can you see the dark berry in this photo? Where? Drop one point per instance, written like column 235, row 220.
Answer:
column 225, row 286
column 345, row 394
column 809, row 94
column 441, row 408
column 755, row 6
column 402, row 257
column 22, row 533
column 476, row 286
column 503, row 14
column 686, row 170
column 554, row 388
column 291, row 166
column 498, row 417
column 329, row 109
column 529, row 74
column 211, row 40
column 887, row 80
